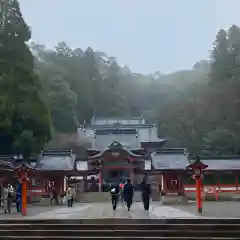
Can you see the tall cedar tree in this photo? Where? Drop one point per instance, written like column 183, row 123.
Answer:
column 24, row 119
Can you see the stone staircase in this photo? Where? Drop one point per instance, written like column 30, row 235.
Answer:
column 194, row 229
column 89, row 197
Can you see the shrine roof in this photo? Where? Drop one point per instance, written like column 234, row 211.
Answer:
column 132, row 137
column 169, row 159
column 222, row 162
column 56, row 160
column 105, row 131
column 127, row 140
column 7, row 166
column 16, row 161
column 115, row 146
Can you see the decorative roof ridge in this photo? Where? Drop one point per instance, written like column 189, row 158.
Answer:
column 119, row 118
column 121, row 126
column 171, row 151
column 116, row 130
column 56, row 153
column 53, row 150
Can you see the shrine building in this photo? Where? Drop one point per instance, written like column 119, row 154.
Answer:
column 123, row 148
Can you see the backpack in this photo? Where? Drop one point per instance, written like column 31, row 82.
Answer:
column 113, row 190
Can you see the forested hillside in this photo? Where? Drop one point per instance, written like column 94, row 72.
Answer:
column 78, row 84
column 63, row 87
column 25, row 124
column 206, row 117
column 195, row 108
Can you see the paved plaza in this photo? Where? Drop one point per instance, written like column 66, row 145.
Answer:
column 228, row 209
column 104, row 210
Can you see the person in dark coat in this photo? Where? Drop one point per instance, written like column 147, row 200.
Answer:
column 128, row 194
column 146, row 193
column 54, row 196
column 114, row 191
column 18, row 197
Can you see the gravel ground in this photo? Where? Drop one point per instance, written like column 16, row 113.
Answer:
column 214, row 209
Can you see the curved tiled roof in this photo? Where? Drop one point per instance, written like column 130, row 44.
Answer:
column 169, row 161
column 222, row 164
column 8, row 166
column 56, row 161
column 115, row 147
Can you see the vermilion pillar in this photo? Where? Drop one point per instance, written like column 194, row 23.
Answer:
column 196, row 168
column 24, row 196
column 24, row 190
column 199, row 194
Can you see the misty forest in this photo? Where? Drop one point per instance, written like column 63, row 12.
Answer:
column 46, row 94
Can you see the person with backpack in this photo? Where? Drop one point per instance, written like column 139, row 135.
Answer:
column 114, row 191
column 128, row 194
column 146, row 193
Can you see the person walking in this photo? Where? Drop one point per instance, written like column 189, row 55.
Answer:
column 121, row 189
column 146, row 193
column 18, row 196
column 54, row 196
column 128, row 194
column 10, row 197
column 114, row 191
column 7, row 198
column 70, row 196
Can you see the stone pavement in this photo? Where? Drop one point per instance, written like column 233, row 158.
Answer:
column 32, row 210
column 229, row 209
column 104, row 210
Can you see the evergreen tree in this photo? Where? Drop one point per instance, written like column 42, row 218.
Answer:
column 234, row 50
column 220, row 58
column 24, row 119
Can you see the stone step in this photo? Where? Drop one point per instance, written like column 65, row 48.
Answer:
column 117, row 237
column 123, row 233
column 126, row 222
column 91, row 197
column 121, row 229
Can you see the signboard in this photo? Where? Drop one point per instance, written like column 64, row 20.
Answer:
column 147, row 165
column 115, row 154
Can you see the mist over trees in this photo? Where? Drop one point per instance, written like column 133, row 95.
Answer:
column 206, row 119
column 45, row 91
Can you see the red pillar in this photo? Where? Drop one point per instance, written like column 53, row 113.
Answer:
column 199, row 194
column 24, row 196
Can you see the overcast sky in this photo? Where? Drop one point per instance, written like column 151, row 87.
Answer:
column 146, row 35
